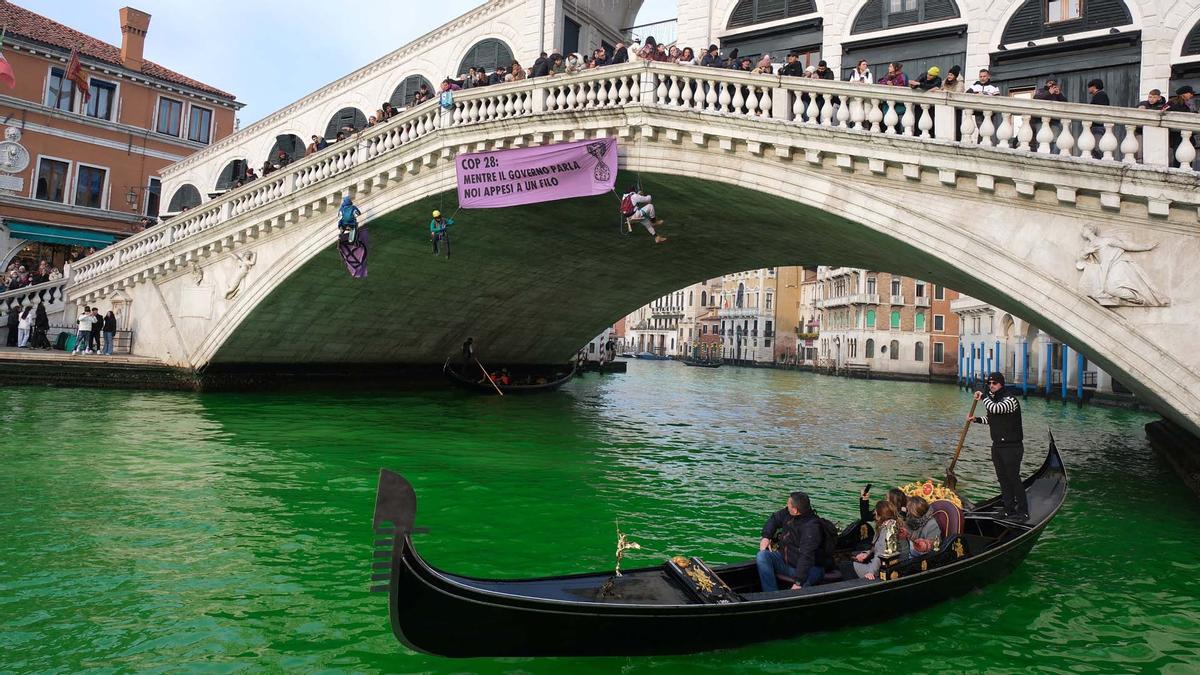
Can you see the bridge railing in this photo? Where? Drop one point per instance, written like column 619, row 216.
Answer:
column 52, row 293
column 1029, row 128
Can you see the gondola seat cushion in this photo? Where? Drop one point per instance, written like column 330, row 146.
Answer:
column 948, row 516
column 830, row 577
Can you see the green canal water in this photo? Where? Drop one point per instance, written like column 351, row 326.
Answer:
column 145, row 531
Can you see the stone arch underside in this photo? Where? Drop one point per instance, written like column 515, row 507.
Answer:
column 531, row 284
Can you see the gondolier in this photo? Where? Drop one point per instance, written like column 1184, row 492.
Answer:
column 1008, row 447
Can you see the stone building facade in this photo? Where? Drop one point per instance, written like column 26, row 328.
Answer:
column 885, row 323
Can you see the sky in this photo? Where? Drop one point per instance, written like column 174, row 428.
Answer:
column 270, row 53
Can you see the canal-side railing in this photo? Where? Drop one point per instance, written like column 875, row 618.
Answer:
column 1026, row 129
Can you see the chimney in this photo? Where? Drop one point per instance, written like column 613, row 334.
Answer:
column 134, row 24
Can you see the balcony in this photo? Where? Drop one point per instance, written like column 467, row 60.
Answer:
column 768, row 333
column 897, row 300
column 922, row 301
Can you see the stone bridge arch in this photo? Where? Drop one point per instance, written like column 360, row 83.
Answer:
column 776, row 218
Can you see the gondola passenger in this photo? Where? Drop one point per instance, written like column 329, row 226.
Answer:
column 887, row 542
column 799, row 543
column 924, row 535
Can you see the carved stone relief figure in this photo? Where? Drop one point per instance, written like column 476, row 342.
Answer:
column 1110, row 276
column 244, row 262
column 197, row 273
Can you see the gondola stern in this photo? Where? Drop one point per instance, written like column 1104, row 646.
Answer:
column 395, row 513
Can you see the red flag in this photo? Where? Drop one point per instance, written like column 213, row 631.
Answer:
column 6, row 71
column 76, row 75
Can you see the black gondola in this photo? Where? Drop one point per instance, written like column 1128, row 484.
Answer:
column 486, row 387
column 657, row 610
column 701, row 364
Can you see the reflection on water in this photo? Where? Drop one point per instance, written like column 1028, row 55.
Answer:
column 163, row 531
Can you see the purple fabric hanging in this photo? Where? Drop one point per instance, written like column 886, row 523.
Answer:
column 355, row 255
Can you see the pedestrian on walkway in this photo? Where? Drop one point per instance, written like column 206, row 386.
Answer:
column 1008, row 447
column 83, row 332
column 41, row 326
column 109, row 329
column 13, row 319
column 24, row 327
column 97, row 325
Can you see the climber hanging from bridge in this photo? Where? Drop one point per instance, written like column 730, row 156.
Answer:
column 637, row 207
column 348, row 221
column 437, row 231
column 352, row 240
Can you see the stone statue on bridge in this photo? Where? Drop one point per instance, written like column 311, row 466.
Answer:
column 244, row 262
column 1110, row 277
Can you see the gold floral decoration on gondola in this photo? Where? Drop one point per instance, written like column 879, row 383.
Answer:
column 931, row 491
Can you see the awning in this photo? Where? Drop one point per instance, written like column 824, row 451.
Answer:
column 58, row 235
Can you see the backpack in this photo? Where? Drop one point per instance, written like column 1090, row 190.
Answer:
column 628, row 208
column 446, row 100
column 346, row 215
column 829, row 538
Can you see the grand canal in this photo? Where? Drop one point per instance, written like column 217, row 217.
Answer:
column 167, row 532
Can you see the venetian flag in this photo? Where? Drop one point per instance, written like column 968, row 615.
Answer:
column 6, row 72
column 75, row 74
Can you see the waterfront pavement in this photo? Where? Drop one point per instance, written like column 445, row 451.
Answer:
column 54, row 355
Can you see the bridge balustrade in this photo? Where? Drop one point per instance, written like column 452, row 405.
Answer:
column 994, row 124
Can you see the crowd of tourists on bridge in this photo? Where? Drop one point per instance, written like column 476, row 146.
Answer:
column 18, row 276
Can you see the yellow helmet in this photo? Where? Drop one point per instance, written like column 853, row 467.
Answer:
column 437, row 214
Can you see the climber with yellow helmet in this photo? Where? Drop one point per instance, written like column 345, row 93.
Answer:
column 437, row 231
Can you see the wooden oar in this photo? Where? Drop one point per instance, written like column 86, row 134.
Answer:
column 489, row 378
column 951, row 479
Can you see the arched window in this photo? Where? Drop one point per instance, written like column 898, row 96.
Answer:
column 1191, row 45
column 870, row 351
column 292, row 144
column 741, row 295
column 487, row 54
column 690, row 299
column 881, row 14
column 920, row 321
column 1038, row 19
column 750, row 12
column 870, row 319
column 186, row 197
column 403, row 94
column 895, row 320
column 346, row 117
column 895, row 350
column 233, row 171
column 920, row 352
column 703, row 298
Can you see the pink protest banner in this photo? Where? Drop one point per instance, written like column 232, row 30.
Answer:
column 490, row 180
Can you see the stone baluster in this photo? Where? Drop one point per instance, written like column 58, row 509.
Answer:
column 890, row 118
column 875, row 114
column 685, row 93
column 1130, row 145
column 672, row 92
column 908, row 122
column 843, row 113
column 752, row 102
column 1108, row 142
column 1004, row 134
column 572, row 99
column 1045, row 135
column 966, row 128
column 491, row 108
column 1025, row 132
column 858, row 112
column 926, row 122
column 623, row 92
column 739, row 101
column 710, row 96
column 812, row 114
column 724, row 99
column 660, row 92
column 560, row 102
column 797, row 106
column 602, row 89
column 1185, row 152
column 1087, row 140
column 987, row 129
column 825, row 116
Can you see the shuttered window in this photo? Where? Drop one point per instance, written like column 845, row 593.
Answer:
column 1033, row 20
column 403, row 93
column 487, row 54
column 751, row 12
column 881, row 14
